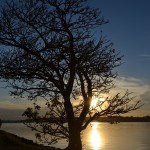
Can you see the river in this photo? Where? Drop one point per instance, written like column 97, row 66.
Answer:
column 100, row 136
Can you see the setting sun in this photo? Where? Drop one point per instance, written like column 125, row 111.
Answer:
column 95, row 101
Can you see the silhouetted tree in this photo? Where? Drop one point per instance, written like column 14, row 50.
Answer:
column 50, row 49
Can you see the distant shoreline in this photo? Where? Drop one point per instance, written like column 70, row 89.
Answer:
column 101, row 119
column 124, row 119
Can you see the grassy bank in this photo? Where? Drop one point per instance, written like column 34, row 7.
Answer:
column 10, row 141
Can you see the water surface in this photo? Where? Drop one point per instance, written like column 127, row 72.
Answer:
column 100, row 136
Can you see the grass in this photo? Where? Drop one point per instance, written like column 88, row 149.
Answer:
column 10, row 141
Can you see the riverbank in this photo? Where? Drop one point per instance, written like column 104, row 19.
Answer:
column 10, row 141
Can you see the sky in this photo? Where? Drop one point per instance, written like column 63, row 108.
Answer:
column 129, row 30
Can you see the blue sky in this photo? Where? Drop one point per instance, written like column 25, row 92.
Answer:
column 129, row 30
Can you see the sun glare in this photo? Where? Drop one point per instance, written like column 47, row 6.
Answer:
column 95, row 101
column 95, row 137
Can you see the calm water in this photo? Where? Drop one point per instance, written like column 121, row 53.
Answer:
column 101, row 136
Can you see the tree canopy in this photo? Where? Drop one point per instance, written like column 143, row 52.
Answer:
column 51, row 49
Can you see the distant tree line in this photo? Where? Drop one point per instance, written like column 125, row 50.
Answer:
column 101, row 119
column 117, row 119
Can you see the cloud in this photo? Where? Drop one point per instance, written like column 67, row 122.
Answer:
column 11, row 108
column 139, row 89
column 145, row 55
column 146, row 97
column 14, row 104
column 11, row 114
column 135, row 85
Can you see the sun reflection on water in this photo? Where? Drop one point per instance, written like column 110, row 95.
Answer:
column 96, row 139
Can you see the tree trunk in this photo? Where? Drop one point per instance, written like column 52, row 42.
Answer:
column 74, row 140
column 73, row 125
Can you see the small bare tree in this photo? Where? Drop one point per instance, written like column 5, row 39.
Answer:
column 49, row 50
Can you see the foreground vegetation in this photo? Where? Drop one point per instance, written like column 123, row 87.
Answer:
column 10, row 141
